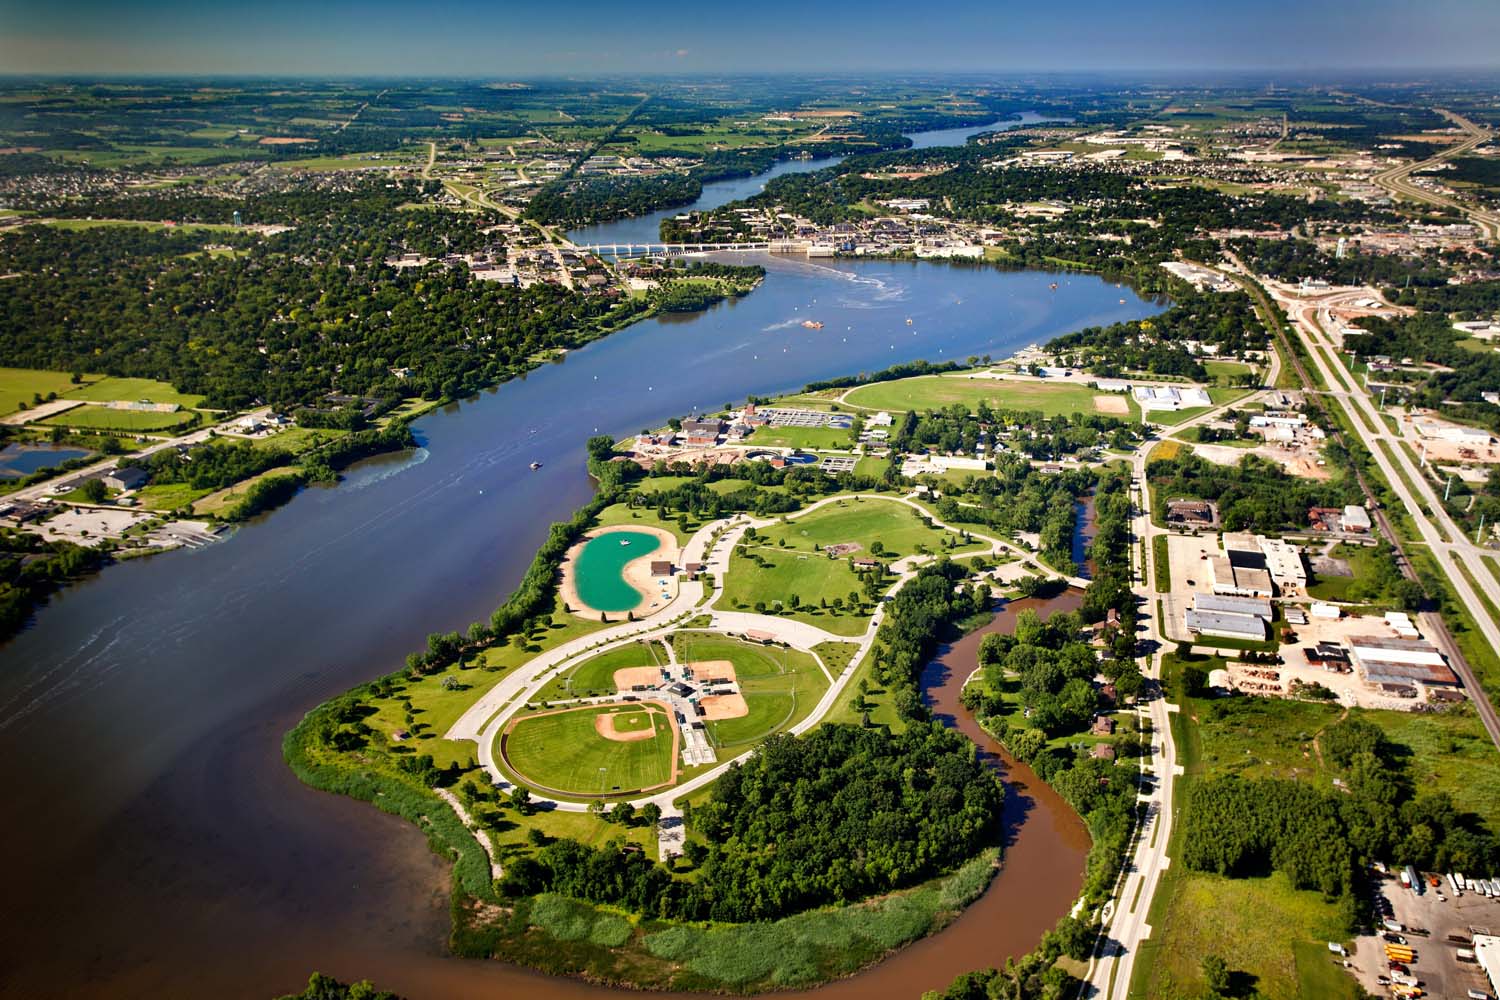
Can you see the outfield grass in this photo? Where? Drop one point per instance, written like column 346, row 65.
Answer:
column 596, row 675
column 564, row 751
column 935, row 391
column 780, row 686
column 102, row 418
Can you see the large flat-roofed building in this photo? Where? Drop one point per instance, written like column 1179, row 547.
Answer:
column 1487, row 951
column 1225, row 624
column 1284, row 561
column 1233, row 605
column 1255, row 566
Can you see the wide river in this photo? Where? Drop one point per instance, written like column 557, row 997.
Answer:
column 158, row 845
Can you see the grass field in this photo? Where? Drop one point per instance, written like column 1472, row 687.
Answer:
column 801, row 567
column 780, row 686
column 169, row 496
column 596, row 675
column 935, row 391
column 220, row 501
column 22, row 385
column 565, row 752
column 102, row 418
column 132, row 390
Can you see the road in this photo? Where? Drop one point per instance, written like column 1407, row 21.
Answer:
column 1397, row 180
column 1123, row 920
column 1434, row 525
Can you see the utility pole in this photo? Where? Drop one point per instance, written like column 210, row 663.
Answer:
column 1448, row 488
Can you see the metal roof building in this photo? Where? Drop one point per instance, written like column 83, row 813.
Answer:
column 1225, row 624
column 1235, row 605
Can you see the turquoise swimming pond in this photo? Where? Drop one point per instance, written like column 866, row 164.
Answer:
column 598, row 569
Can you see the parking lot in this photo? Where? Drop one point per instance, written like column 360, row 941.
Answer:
column 1436, row 965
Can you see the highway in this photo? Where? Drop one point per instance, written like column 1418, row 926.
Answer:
column 1444, row 538
column 1397, row 180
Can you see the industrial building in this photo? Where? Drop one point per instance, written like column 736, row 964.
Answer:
column 1256, row 566
column 1400, row 662
column 1224, row 624
column 1487, row 951
column 1233, row 605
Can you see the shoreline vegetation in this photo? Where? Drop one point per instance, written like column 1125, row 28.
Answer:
column 522, row 918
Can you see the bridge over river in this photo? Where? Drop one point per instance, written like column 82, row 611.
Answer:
column 678, row 249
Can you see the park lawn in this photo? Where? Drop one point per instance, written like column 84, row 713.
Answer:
column 896, row 526
column 554, row 629
column 510, row 831
column 102, row 418
column 812, row 577
column 595, row 675
column 1225, row 369
column 169, row 496
column 22, row 385
column 836, row 655
column 619, row 514
column 781, row 686
column 563, row 751
column 132, row 390
column 216, row 503
column 435, row 708
column 935, row 391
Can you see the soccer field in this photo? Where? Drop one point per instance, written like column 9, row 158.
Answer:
column 565, row 751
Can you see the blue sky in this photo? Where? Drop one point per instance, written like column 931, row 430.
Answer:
column 583, row 37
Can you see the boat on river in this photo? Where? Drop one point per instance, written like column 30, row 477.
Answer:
column 812, row 324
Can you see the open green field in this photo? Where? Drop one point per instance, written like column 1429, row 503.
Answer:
column 219, row 501
column 564, row 751
column 595, row 675
column 22, row 385
column 1262, row 927
column 132, row 390
column 793, row 560
column 169, row 496
column 934, row 391
column 780, row 685
column 102, row 418
column 803, row 437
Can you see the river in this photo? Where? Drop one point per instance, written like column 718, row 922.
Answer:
column 159, row 846
column 647, row 228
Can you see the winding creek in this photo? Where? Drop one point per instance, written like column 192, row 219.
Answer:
column 158, row 844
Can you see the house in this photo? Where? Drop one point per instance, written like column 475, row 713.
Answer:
column 1103, row 726
column 126, row 477
column 694, row 570
column 1102, row 751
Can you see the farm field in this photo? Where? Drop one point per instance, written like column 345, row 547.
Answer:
column 781, row 686
column 935, row 391
column 564, row 751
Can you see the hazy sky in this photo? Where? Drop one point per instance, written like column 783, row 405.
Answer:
column 580, row 37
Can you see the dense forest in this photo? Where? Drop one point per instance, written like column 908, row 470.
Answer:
column 601, row 199
column 292, row 317
column 838, row 815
